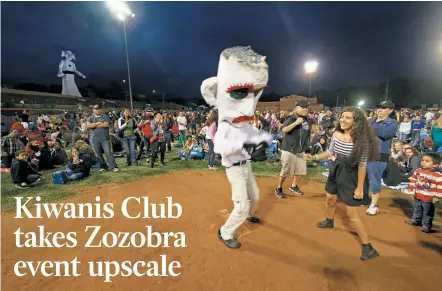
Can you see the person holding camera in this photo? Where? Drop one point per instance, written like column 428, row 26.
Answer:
column 296, row 141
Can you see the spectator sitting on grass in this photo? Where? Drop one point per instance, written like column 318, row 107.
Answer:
column 22, row 173
column 58, row 154
column 43, row 156
column 79, row 165
column 195, row 151
column 85, row 148
column 411, row 164
column 186, row 148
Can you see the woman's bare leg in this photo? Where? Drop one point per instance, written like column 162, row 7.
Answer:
column 330, row 206
column 357, row 223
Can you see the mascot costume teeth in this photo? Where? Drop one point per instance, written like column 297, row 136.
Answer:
column 242, row 76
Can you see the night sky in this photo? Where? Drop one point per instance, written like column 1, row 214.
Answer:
column 174, row 46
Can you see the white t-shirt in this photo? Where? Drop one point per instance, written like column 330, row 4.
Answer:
column 429, row 116
column 182, row 119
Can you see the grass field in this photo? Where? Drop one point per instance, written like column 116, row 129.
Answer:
column 50, row 192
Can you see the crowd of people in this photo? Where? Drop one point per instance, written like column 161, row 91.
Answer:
column 405, row 146
column 41, row 140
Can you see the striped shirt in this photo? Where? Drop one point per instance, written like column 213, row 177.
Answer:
column 426, row 185
column 344, row 148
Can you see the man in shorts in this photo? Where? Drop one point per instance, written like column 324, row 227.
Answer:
column 296, row 129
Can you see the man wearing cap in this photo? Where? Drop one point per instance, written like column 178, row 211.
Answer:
column 98, row 123
column 385, row 128
column 297, row 129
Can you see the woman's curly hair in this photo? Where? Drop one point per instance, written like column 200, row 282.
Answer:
column 365, row 142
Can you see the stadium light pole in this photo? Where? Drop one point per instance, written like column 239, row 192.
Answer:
column 122, row 12
column 310, row 68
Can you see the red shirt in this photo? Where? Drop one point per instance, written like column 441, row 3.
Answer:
column 426, row 185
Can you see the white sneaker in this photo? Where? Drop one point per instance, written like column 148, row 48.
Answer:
column 372, row 210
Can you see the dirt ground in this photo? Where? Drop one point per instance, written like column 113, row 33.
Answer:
column 286, row 252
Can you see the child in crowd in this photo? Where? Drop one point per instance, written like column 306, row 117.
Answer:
column 426, row 184
column 273, row 151
column 22, row 173
column 416, row 125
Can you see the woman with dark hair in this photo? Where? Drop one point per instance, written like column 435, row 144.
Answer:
column 352, row 145
column 210, row 135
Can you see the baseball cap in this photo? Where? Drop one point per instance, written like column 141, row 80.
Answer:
column 303, row 103
column 386, row 104
column 97, row 106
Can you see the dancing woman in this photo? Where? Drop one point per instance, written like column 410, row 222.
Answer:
column 353, row 144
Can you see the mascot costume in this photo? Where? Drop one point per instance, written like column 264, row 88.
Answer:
column 67, row 71
column 242, row 76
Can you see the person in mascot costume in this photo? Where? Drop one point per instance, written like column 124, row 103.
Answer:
column 235, row 91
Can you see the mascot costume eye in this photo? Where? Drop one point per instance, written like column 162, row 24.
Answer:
column 235, row 91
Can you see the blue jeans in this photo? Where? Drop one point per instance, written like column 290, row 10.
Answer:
column 100, row 146
column 272, row 157
column 403, row 137
column 375, row 171
column 168, row 139
column 415, row 137
column 130, row 145
column 211, row 156
column 73, row 176
column 423, row 212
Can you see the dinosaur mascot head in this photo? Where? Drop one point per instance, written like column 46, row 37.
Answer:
column 235, row 91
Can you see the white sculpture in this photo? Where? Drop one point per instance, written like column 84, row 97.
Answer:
column 67, row 71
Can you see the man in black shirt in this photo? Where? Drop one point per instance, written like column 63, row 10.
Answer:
column 296, row 129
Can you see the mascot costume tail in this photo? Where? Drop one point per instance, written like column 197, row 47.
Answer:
column 235, row 91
